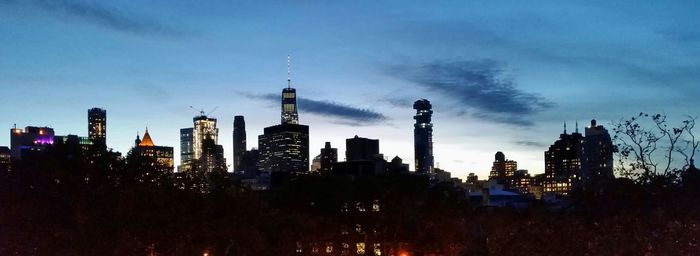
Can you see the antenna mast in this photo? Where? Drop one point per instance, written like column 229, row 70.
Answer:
column 289, row 71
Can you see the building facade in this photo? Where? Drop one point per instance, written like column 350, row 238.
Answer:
column 596, row 157
column 239, row 142
column 562, row 163
column 423, row 136
column 157, row 160
column 30, row 140
column 358, row 148
column 284, row 148
column 97, row 126
column 328, row 157
column 186, row 149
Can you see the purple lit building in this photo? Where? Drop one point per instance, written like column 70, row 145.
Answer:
column 31, row 139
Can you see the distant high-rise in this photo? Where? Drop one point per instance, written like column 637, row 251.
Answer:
column 596, row 156
column 239, row 142
column 423, row 136
column 204, row 128
column 329, row 156
column 290, row 114
column 285, row 147
column 196, row 141
column 562, row 163
column 97, row 126
column 359, row 148
column 503, row 170
column 186, row 149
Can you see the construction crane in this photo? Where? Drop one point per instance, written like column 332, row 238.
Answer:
column 202, row 113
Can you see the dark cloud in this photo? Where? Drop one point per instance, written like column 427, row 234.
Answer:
column 95, row 13
column 480, row 88
column 346, row 115
column 531, row 144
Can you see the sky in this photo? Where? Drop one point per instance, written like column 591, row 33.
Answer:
column 501, row 75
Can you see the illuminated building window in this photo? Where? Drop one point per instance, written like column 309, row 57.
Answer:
column 375, row 206
column 361, row 248
column 377, row 249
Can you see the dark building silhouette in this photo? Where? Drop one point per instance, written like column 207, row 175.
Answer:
column 596, row 157
column 362, row 158
column 329, row 156
column 97, row 127
column 562, row 163
column 249, row 163
column 397, row 166
column 30, row 140
column 239, row 142
column 84, row 143
column 423, row 136
column 359, row 148
column 212, row 159
column 157, row 161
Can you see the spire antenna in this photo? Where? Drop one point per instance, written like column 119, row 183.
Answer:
column 577, row 126
column 289, row 71
column 564, row 127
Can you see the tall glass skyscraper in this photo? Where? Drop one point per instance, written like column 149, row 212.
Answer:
column 239, row 142
column 423, row 136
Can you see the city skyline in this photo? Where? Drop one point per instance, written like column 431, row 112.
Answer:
column 146, row 68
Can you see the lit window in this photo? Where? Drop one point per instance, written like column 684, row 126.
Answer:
column 361, row 248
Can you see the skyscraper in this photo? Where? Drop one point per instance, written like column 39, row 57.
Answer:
column 204, row 127
column 562, row 163
column 97, row 126
column 239, row 142
column 423, row 136
column 503, row 170
column 289, row 100
column 285, row 147
column 196, row 141
column 186, row 149
column 596, row 156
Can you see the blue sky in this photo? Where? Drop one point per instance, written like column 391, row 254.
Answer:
column 501, row 75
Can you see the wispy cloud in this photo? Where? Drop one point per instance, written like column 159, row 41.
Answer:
column 533, row 144
column 347, row 115
column 480, row 87
column 97, row 14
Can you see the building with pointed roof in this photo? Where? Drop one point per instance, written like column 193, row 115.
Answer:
column 156, row 161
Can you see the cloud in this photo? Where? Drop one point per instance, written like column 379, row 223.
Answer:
column 346, row 115
column 480, row 88
column 531, row 144
column 94, row 13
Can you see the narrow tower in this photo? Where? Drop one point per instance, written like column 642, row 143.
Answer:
column 239, row 142
column 423, row 136
column 97, row 126
column 289, row 99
